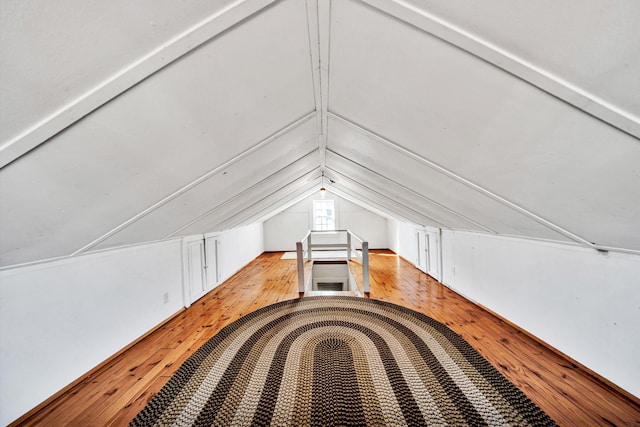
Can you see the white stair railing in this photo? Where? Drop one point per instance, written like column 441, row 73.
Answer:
column 306, row 241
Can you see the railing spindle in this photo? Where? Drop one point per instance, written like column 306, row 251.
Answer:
column 300, row 258
column 364, row 256
column 365, row 267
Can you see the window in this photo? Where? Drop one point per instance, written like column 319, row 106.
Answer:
column 324, row 217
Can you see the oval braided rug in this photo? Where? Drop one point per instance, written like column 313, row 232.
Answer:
column 338, row 361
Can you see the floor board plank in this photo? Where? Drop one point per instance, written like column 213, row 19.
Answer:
column 114, row 394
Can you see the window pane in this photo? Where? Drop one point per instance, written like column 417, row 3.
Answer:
column 323, row 215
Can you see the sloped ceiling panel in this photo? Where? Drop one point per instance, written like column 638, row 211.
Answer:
column 485, row 211
column 483, row 125
column 157, row 119
column 168, row 131
column 280, row 159
column 331, row 189
column 593, row 48
column 438, row 214
column 60, row 50
column 255, row 203
column 374, row 201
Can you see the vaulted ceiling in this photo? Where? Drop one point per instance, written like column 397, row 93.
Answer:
column 127, row 122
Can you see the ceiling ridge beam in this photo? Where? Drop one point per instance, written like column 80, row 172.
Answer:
column 319, row 29
column 550, row 83
column 313, row 29
column 196, row 182
column 243, row 193
column 129, row 76
column 416, row 194
column 466, row 182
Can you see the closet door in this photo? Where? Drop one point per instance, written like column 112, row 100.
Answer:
column 422, row 259
column 212, row 270
column 433, row 253
column 195, row 285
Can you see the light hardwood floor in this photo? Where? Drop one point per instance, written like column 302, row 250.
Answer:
column 115, row 392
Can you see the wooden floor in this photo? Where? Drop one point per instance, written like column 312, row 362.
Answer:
column 113, row 394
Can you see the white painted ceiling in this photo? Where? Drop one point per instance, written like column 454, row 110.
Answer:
column 125, row 122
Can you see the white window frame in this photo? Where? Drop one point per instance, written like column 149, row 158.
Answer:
column 331, row 222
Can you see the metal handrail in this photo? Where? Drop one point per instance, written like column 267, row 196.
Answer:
column 364, row 256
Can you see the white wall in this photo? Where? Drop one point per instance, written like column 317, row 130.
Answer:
column 238, row 247
column 393, row 235
column 404, row 240
column 282, row 231
column 583, row 303
column 60, row 319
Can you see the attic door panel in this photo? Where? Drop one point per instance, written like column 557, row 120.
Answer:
column 485, row 125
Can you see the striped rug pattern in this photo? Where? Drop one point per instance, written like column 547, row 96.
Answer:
column 338, row 361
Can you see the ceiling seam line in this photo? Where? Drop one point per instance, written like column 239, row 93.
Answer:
column 290, row 202
column 240, row 194
column 62, row 258
column 314, row 56
column 387, row 198
column 294, row 194
column 126, row 78
column 297, row 195
column 220, row 206
column 466, row 182
column 294, row 182
column 337, row 189
column 324, row 47
column 341, row 191
column 398, row 212
column 196, row 182
column 584, row 104
column 415, row 193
